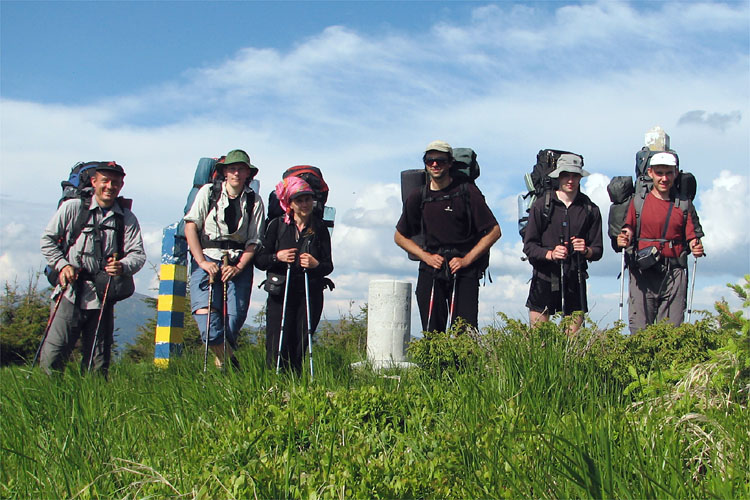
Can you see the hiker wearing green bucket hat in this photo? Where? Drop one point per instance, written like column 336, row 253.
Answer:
column 222, row 236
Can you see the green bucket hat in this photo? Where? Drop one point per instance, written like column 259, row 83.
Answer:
column 239, row 156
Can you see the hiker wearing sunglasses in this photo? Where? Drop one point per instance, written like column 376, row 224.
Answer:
column 559, row 242
column 459, row 228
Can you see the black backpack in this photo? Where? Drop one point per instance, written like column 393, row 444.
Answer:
column 622, row 190
column 465, row 169
column 540, row 184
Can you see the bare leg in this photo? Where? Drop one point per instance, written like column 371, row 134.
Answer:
column 537, row 317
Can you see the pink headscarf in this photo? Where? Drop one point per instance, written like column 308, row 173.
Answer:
column 288, row 189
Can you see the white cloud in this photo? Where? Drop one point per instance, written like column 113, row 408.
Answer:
column 721, row 208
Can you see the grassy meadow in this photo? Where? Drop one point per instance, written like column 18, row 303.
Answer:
column 511, row 413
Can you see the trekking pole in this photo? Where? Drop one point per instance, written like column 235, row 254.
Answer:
column 49, row 324
column 453, row 298
column 622, row 282
column 432, row 299
column 225, row 317
column 208, row 320
column 101, row 314
column 581, row 290
column 692, row 289
column 562, row 279
column 309, row 321
column 283, row 306
column 306, row 249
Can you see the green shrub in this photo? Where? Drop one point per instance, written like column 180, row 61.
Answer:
column 459, row 348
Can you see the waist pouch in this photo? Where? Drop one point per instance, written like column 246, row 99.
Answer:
column 120, row 287
column 648, row 258
column 274, row 283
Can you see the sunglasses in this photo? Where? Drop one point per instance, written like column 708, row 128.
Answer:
column 440, row 161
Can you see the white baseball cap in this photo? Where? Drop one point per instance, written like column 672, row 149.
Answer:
column 666, row 159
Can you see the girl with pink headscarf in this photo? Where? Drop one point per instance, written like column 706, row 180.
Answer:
column 297, row 241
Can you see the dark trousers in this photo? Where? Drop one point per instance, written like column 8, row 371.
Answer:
column 69, row 324
column 466, row 303
column 294, row 341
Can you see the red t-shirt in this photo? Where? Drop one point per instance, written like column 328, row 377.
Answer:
column 653, row 217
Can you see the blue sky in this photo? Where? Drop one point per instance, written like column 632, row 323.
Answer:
column 358, row 88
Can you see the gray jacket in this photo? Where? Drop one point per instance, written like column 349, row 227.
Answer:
column 90, row 250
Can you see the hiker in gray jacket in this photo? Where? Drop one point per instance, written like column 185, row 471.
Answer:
column 105, row 241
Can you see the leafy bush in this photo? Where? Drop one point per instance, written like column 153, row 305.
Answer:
column 458, row 348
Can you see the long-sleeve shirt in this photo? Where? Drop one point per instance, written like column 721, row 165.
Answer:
column 92, row 247
column 564, row 223
column 280, row 236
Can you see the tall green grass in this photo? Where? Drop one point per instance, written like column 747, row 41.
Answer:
column 530, row 416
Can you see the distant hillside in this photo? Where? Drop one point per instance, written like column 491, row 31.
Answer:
column 129, row 315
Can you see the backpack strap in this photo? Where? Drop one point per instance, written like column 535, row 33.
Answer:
column 120, row 234
column 84, row 214
column 548, row 207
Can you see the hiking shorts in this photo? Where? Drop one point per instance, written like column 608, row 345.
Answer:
column 543, row 299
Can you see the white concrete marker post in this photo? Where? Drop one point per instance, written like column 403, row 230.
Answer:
column 388, row 323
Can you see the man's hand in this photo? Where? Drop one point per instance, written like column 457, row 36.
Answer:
column 228, row 272
column 458, row 263
column 624, row 238
column 560, row 252
column 696, row 246
column 67, row 275
column 434, row 260
column 113, row 267
column 579, row 244
column 212, row 268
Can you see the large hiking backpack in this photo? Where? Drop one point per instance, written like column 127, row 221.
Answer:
column 207, row 173
column 539, row 184
column 622, row 190
column 314, row 177
column 465, row 168
column 78, row 187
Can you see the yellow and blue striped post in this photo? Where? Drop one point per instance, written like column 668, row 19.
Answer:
column 170, row 307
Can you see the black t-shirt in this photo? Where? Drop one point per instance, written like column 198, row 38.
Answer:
column 232, row 214
column 448, row 220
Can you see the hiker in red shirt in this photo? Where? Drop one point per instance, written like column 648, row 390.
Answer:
column 667, row 228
